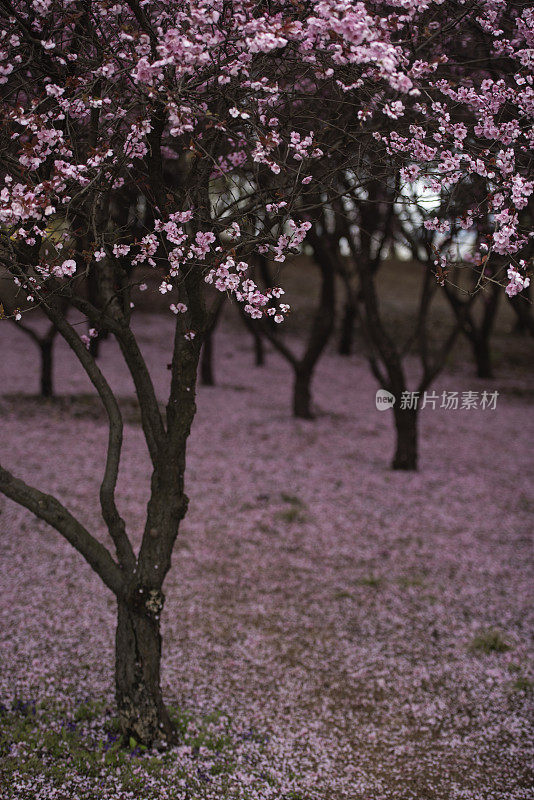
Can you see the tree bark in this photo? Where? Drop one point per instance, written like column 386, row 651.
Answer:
column 521, row 304
column 45, row 344
column 206, row 361
column 346, row 337
column 321, row 327
column 95, row 342
column 478, row 333
column 302, row 394
column 482, row 355
column 47, row 379
column 406, row 446
column 142, row 712
column 207, row 376
column 259, row 350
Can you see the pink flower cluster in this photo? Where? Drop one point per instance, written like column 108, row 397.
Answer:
column 210, row 89
column 516, row 281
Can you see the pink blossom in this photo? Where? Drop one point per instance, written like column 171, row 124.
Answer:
column 517, row 282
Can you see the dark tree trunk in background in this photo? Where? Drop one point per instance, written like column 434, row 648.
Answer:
column 45, row 343
column 142, row 712
column 406, row 446
column 259, row 348
column 477, row 331
column 94, row 297
column 207, row 375
column 482, row 337
column 321, row 327
column 302, row 393
column 521, row 304
column 346, row 336
column 47, row 378
column 482, row 355
column 206, row 361
column 385, row 351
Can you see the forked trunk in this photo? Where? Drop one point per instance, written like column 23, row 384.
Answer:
column 406, row 430
column 141, row 710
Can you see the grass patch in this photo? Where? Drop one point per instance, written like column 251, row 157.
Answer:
column 490, row 641
column 295, row 510
column 292, row 499
column 411, row 582
column 92, row 709
column 290, row 515
column 343, row 594
column 77, row 752
column 373, row 581
column 522, row 684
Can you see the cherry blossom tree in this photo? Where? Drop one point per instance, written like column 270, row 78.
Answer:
column 182, row 137
column 146, row 134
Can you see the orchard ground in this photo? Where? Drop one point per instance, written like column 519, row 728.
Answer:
column 332, row 629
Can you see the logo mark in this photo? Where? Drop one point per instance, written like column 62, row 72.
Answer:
column 384, row 400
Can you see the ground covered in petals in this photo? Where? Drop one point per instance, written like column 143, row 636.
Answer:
column 332, row 629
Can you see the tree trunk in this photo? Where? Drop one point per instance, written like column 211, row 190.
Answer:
column 94, row 346
column 346, row 337
column 95, row 342
column 259, row 349
column 406, row 430
column 47, row 380
column 522, row 306
column 482, row 354
column 302, row 394
column 207, row 377
column 321, row 327
column 142, row 713
column 206, row 361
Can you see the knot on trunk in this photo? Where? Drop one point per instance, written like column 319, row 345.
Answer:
column 145, row 600
column 154, row 601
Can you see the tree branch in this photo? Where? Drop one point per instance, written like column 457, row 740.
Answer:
column 151, row 420
column 49, row 509
column 112, row 518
